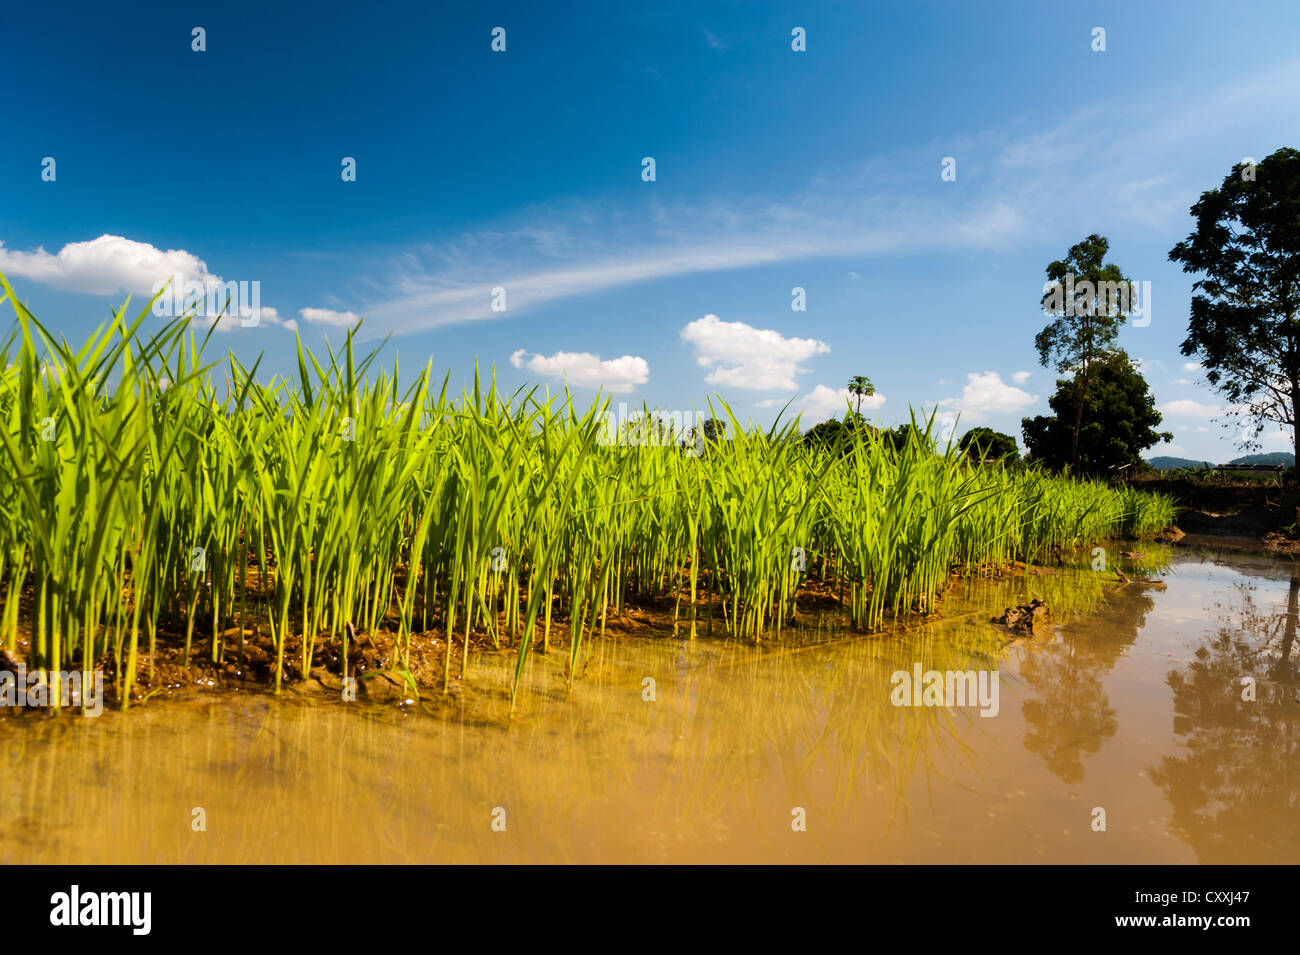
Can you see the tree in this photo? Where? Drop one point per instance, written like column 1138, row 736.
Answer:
column 829, row 434
column 987, row 444
column 1087, row 299
column 1244, row 326
column 1121, row 418
column 706, row 434
column 899, row 437
column 715, row 429
column 862, row 387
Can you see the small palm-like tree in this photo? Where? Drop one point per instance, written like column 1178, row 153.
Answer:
column 861, row 386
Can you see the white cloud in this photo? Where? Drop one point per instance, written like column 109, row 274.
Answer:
column 822, row 403
column 742, row 356
column 558, row 252
column 1186, row 408
column 1020, row 377
column 108, row 265
column 230, row 320
column 618, row 375
column 1149, row 364
column 987, row 394
column 328, row 316
column 1191, row 366
column 113, row 265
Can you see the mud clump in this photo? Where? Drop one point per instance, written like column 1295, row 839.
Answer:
column 1031, row 618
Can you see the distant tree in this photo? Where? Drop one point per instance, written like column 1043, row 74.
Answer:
column 987, row 444
column 1245, row 321
column 841, row 433
column 862, row 387
column 1085, row 298
column 712, row 430
column 829, row 434
column 1121, row 418
column 899, row 436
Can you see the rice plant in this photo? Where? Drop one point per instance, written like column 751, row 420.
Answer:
column 150, row 494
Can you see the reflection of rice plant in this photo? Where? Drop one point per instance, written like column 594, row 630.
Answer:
column 137, row 496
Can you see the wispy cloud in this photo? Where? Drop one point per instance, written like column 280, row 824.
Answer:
column 329, row 316
column 1009, row 189
column 1187, row 408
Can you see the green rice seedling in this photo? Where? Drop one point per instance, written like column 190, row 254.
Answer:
column 149, row 496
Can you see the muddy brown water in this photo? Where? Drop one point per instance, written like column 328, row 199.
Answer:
column 1133, row 705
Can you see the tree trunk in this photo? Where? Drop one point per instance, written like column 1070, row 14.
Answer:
column 1295, row 430
column 1078, row 421
column 1280, row 669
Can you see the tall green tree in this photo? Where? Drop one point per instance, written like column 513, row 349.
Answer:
column 1086, row 298
column 1244, row 326
column 1120, row 419
column 861, row 386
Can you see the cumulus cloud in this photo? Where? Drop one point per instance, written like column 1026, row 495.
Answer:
column 742, row 356
column 115, row 265
column 108, row 265
column 987, row 394
column 328, row 316
column 1191, row 366
column 824, row 402
column 618, row 375
column 1020, row 377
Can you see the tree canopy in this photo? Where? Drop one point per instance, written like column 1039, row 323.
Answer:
column 1086, row 297
column 1119, row 421
column 1244, row 327
column 987, row 444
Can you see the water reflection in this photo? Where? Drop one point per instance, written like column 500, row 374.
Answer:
column 736, row 739
column 1070, row 715
column 1235, row 781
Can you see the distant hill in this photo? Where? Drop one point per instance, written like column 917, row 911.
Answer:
column 1166, row 463
column 1272, row 457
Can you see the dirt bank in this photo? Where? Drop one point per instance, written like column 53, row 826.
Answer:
column 1241, row 517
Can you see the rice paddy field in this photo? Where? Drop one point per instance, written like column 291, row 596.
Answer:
column 156, row 494
column 1126, row 705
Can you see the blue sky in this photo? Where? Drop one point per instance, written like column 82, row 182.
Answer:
column 522, row 170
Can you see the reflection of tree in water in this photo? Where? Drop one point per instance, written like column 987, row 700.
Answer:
column 1236, row 790
column 1071, row 715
